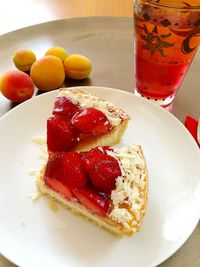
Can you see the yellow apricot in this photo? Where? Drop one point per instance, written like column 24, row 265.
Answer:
column 23, row 59
column 57, row 52
column 48, row 73
column 77, row 67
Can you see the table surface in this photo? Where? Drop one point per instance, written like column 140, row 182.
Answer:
column 113, row 66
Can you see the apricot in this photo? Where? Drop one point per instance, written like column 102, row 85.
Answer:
column 77, row 67
column 57, row 52
column 16, row 86
column 23, row 59
column 48, row 73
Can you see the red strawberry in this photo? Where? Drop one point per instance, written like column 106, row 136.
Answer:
column 64, row 107
column 93, row 201
column 61, row 136
column 91, row 120
column 102, row 169
column 92, row 157
column 59, row 187
column 66, row 168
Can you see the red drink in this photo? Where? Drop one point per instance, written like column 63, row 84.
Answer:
column 166, row 41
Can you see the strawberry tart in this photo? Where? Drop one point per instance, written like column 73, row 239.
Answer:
column 107, row 186
column 81, row 120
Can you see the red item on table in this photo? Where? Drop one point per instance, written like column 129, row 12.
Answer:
column 192, row 124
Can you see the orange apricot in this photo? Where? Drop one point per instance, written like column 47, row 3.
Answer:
column 48, row 73
column 16, row 86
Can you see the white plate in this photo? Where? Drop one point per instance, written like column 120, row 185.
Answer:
column 32, row 235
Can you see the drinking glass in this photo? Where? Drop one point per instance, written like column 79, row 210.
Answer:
column 166, row 38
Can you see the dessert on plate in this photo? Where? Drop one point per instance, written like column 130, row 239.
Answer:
column 81, row 120
column 106, row 185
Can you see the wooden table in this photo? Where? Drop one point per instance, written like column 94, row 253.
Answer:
column 113, row 67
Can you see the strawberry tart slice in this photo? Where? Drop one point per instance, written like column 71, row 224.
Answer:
column 81, row 120
column 105, row 185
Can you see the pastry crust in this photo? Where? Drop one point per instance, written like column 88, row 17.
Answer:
column 110, row 139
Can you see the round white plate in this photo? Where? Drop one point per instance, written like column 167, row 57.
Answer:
column 31, row 234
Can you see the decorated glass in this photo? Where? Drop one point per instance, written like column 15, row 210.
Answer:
column 167, row 36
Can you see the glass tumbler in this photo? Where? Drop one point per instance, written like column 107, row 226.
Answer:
column 166, row 39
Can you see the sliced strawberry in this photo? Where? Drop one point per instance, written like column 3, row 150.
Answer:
column 91, row 120
column 93, row 201
column 67, row 169
column 59, row 188
column 61, row 136
column 65, row 108
column 102, row 169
